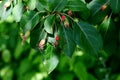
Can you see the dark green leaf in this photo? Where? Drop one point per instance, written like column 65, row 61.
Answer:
column 69, row 45
column 119, row 35
column 97, row 15
column 17, row 12
column 36, row 35
column 115, row 5
column 49, row 24
column 52, row 5
column 59, row 4
column 76, row 5
column 87, row 38
column 91, row 77
column 29, row 20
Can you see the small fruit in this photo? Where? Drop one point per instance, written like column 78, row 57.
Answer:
column 42, row 44
column 66, row 24
column 24, row 38
column 55, row 44
column 7, row 4
column 76, row 19
column 103, row 7
column 70, row 13
column 26, row 8
column 63, row 18
column 57, row 38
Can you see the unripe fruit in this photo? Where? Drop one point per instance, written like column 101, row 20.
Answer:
column 26, row 8
column 63, row 18
column 103, row 7
column 57, row 38
column 66, row 24
column 70, row 13
column 7, row 4
column 42, row 43
column 24, row 38
column 55, row 44
column 76, row 19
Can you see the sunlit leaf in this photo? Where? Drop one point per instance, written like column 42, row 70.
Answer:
column 32, row 4
column 49, row 24
column 17, row 12
column 51, row 63
column 6, row 13
column 104, row 26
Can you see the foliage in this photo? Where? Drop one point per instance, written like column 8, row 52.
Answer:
column 87, row 31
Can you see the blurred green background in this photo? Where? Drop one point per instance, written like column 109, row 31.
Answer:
column 19, row 62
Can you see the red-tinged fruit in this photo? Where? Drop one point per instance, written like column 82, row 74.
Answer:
column 63, row 18
column 103, row 7
column 26, row 8
column 70, row 13
column 24, row 38
column 7, row 4
column 55, row 44
column 57, row 38
column 42, row 43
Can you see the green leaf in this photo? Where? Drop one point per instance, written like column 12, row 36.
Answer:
column 1, row 8
column 18, row 50
column 36, row 35
column 87, row 38
column 40, row 7
column 32, row 4
column 51, row 63
column 6, row 13
column 24, row 66
column 104, row 26
column 49, row 24
column 44, row 4
column 29, row 20
column 52, row 5
column 115, row 5
column 18, row 11
column 95, row 8
column 119, row 35
column 76, row 5
column 6, row 56
column 91, row 77
column 66, row 76
column 80, row 71
column 60, row 4
column 69, row 45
